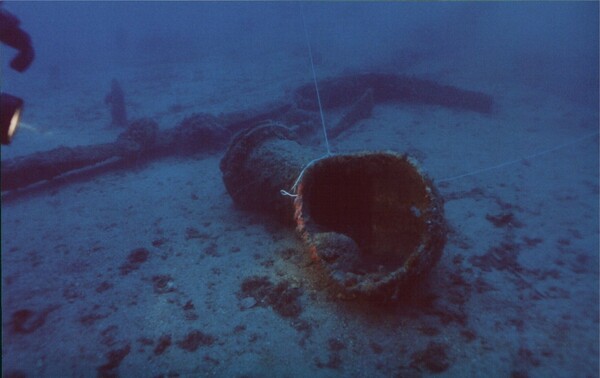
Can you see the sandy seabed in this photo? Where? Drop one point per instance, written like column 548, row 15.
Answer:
column 152, row 271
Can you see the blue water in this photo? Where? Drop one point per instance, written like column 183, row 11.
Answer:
column 546, row 45
column 515, row 294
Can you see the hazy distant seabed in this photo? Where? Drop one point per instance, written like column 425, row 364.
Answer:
column 145, row 272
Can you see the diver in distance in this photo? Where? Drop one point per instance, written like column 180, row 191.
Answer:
column 116, row 99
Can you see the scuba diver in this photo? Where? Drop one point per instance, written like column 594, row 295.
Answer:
column 116, row 100
column 10, row 106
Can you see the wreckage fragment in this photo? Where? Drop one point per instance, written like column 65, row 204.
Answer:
column 372, row 220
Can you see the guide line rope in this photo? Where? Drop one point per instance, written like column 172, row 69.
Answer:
column 292, row 191
column 312, row 66
column 515, row 161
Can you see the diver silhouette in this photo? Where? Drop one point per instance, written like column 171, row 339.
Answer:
column 12, row 35
column 116, row 99
column 11, row 106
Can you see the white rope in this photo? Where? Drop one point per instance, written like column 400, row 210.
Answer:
column 292, row 192
column 295, row 186
column 312, row 66
column 532, row 156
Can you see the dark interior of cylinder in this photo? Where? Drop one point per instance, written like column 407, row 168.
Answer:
column 378, row 200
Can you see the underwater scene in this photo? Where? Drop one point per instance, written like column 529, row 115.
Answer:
column 299, row 189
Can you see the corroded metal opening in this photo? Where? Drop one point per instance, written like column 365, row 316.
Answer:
column 372, row 219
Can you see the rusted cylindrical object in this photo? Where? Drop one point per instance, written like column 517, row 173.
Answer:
column 373, row 220
column 258, row 164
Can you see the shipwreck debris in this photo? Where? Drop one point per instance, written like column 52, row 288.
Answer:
column 372, row 220
column 206, row 133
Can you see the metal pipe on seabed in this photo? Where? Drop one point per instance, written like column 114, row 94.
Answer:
column 372, row 220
